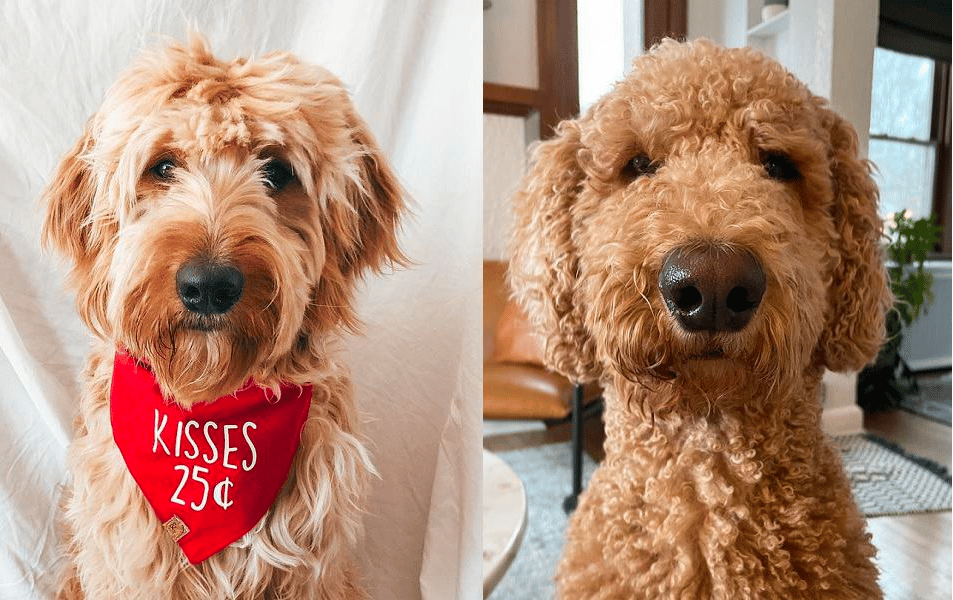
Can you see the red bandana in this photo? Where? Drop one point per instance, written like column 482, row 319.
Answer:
column 211, row 472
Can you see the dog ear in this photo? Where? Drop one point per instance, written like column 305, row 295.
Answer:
column 69, row 202
column 361, row 231
column 543, row 259
column 378, row 199
column 858, row 295
column 70, row 228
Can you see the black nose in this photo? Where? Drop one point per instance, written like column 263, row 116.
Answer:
column 209, row 288
column 712, row 288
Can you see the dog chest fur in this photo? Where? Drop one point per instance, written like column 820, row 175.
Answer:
column 696, row 516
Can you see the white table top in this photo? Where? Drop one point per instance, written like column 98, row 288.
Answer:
column 504, row 518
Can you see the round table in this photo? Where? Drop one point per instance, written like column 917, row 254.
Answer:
column 504, row 518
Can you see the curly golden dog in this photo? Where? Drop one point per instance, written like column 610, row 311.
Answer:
column 217, row 216
column 704, row 241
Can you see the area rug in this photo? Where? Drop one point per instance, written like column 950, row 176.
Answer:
column 885, row 481
column 888, row 481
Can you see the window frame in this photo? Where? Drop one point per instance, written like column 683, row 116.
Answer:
column 940, row 135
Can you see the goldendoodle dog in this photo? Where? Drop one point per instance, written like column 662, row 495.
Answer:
column 705, row 242
column 217, row 216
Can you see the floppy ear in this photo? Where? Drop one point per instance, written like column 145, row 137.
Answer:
column 378, row 199
column 70, row 228
column 360, row 231
column 858, row 296
column 543, row 259
column 69, row 202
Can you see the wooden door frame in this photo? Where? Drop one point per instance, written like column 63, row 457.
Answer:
column 557, row 96
column 664, row 18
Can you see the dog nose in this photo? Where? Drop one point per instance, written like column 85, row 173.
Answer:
column 209, row 288
column 712, row 288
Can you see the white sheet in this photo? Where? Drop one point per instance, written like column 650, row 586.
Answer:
column 414, row 70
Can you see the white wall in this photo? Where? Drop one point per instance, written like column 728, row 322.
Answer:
column 504, row 151
column 510, row 58
column 725, row 22
column 509, row 43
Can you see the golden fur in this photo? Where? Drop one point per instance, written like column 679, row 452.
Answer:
column 718, row 481
column 301, row 249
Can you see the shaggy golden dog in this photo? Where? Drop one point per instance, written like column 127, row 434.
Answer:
column 705, row 242
column 217, row 216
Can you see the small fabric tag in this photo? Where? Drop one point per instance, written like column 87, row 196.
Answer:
column 175, row 528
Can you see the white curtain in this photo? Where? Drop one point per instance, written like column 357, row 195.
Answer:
column 414, row 71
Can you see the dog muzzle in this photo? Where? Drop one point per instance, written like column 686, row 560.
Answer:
column 212, row 471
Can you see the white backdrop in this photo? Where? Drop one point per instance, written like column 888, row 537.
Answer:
column 414, row 70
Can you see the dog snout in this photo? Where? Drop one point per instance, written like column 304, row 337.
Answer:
column 209, row 288
column 712, row 288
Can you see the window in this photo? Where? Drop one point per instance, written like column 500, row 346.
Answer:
column 900, row 132
column 910, row 112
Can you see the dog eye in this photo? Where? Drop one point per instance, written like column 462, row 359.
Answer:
column 780, row 166
column 164, row 169
column 640, row 165
column 276, row 175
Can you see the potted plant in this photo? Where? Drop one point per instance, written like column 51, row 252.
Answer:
column 883, row 384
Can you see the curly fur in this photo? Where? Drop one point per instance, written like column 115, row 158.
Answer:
column 301, row 251
column 718, row 481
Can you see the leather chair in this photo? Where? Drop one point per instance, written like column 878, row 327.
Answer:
column 515, row 383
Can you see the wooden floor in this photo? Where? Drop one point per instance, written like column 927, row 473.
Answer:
column 914, row 551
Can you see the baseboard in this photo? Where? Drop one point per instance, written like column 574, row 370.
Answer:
column 842, row 420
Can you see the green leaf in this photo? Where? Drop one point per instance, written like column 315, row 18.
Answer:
column 912, row 286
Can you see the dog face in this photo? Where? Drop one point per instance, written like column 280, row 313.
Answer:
column 707, row 222
column 217, row 215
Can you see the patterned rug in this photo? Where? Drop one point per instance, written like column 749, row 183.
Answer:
column 888, row 481
column 885, row 481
